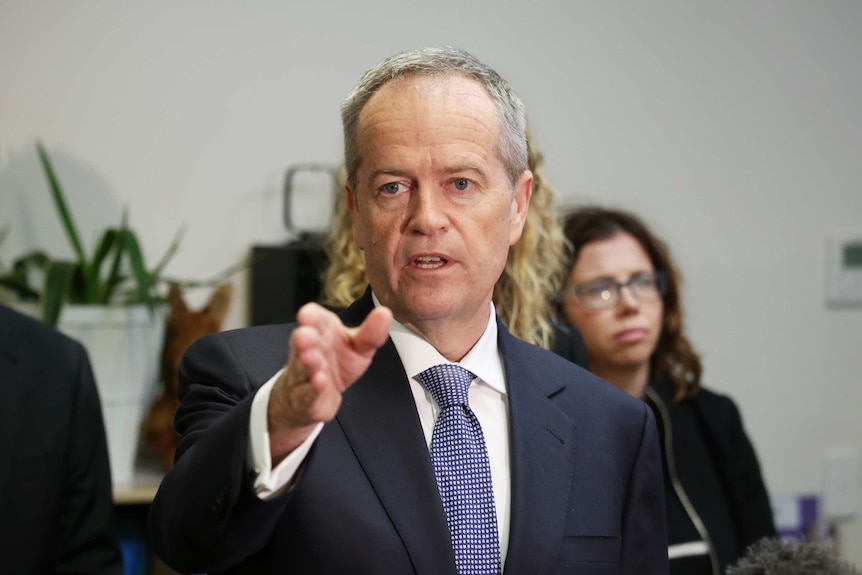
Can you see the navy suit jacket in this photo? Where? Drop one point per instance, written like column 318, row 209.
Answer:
column 587, row 492
column 56, row 513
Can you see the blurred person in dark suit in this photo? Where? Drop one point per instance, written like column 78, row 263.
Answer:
column 56, row 511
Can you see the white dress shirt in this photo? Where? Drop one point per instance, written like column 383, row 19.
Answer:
column 487, row 397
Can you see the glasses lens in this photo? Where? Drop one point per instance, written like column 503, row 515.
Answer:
column 599, row 294
column 646, row 286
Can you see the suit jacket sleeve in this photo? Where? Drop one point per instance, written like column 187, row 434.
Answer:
column 206, row 515
column 644, row 530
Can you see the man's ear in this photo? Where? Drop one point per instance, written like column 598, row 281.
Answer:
column 520, row 205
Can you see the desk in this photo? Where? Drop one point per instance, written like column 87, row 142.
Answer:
column 149, row 472
column 142, row 489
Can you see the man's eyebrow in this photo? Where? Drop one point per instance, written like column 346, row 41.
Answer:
column 457, row 169
column 465, row 168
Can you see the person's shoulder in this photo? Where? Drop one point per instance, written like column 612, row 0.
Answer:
column 245, row 340
column 720, row 416
column 24, row 336
column 257, row 351
column 253, row 333
column 569, row 343
column 576, row 383
column 712, row 402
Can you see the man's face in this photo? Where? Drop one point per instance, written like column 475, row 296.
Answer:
column 433, row 208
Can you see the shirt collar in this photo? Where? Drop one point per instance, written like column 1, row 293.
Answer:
column 417, row 354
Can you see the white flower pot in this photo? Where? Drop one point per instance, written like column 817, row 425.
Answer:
column 125, row 345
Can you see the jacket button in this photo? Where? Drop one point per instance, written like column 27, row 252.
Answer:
column 219, row 506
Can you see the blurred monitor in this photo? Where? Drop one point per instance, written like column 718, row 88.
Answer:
column 283, row 278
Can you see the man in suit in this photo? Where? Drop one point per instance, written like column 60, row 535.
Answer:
column 56, row 513
column 326, row 447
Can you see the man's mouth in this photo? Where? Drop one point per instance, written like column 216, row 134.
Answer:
column 429, row 262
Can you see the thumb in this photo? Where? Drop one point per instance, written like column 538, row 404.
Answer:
column 373, row 332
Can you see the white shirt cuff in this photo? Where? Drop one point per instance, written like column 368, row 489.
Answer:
column 269, row 482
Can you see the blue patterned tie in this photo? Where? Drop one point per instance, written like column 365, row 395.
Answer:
column 463, row 473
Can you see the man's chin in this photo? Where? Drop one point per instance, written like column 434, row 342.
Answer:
column 424, row 308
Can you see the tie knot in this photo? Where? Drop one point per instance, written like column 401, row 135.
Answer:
column 447, row 383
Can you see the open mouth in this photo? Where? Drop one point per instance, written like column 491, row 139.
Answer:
column 429, row 262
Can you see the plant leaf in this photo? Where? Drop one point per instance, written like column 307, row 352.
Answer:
column 169, row 253
column 103, row 247
column 21, row 289
column 136, row 263
column 110, row 243
column 89, row 276
column 60, row 204
column 18, row 278
column 37, row 259
column 58, row 278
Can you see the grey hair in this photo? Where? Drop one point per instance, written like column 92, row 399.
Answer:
column 776, row 557
column 444, row 61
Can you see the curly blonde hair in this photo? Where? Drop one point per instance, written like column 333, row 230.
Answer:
column 524, row 294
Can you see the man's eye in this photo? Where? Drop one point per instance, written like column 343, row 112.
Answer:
column 461, row 184
column 391, row 188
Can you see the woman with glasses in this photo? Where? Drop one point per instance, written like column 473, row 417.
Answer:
column 622, row 294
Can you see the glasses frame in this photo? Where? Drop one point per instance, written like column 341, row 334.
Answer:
column 616, row 288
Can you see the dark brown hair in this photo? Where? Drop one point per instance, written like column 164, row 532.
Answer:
column 674, row 358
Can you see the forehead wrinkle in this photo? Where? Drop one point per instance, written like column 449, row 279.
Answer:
column 424, row 125
column 447, row 94
column 407, row 115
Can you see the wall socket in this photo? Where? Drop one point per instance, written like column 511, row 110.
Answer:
column 844, row 265
column 839, row 482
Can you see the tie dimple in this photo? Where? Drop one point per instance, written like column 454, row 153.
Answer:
column 460, row 460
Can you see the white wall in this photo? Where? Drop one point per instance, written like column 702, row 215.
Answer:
column 735, row 128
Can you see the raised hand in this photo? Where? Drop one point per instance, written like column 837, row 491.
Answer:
column 325, row 359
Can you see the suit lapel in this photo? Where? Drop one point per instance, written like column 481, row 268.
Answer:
column 542, row 445
column 12, row 387
column 379, row 418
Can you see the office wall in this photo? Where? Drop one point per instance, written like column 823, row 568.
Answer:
column 734, row 128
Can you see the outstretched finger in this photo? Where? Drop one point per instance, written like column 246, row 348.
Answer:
column 373, row 332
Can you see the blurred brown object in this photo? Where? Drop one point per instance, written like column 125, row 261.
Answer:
column 183, row 328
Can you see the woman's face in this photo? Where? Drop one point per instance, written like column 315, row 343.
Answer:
column 625, row 333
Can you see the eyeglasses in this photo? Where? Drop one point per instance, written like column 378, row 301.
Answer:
column 604, row 293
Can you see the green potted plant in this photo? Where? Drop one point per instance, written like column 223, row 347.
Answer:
column 100, row 278
column 109, row 300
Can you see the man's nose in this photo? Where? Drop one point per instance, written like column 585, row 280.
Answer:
column 427, row 210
